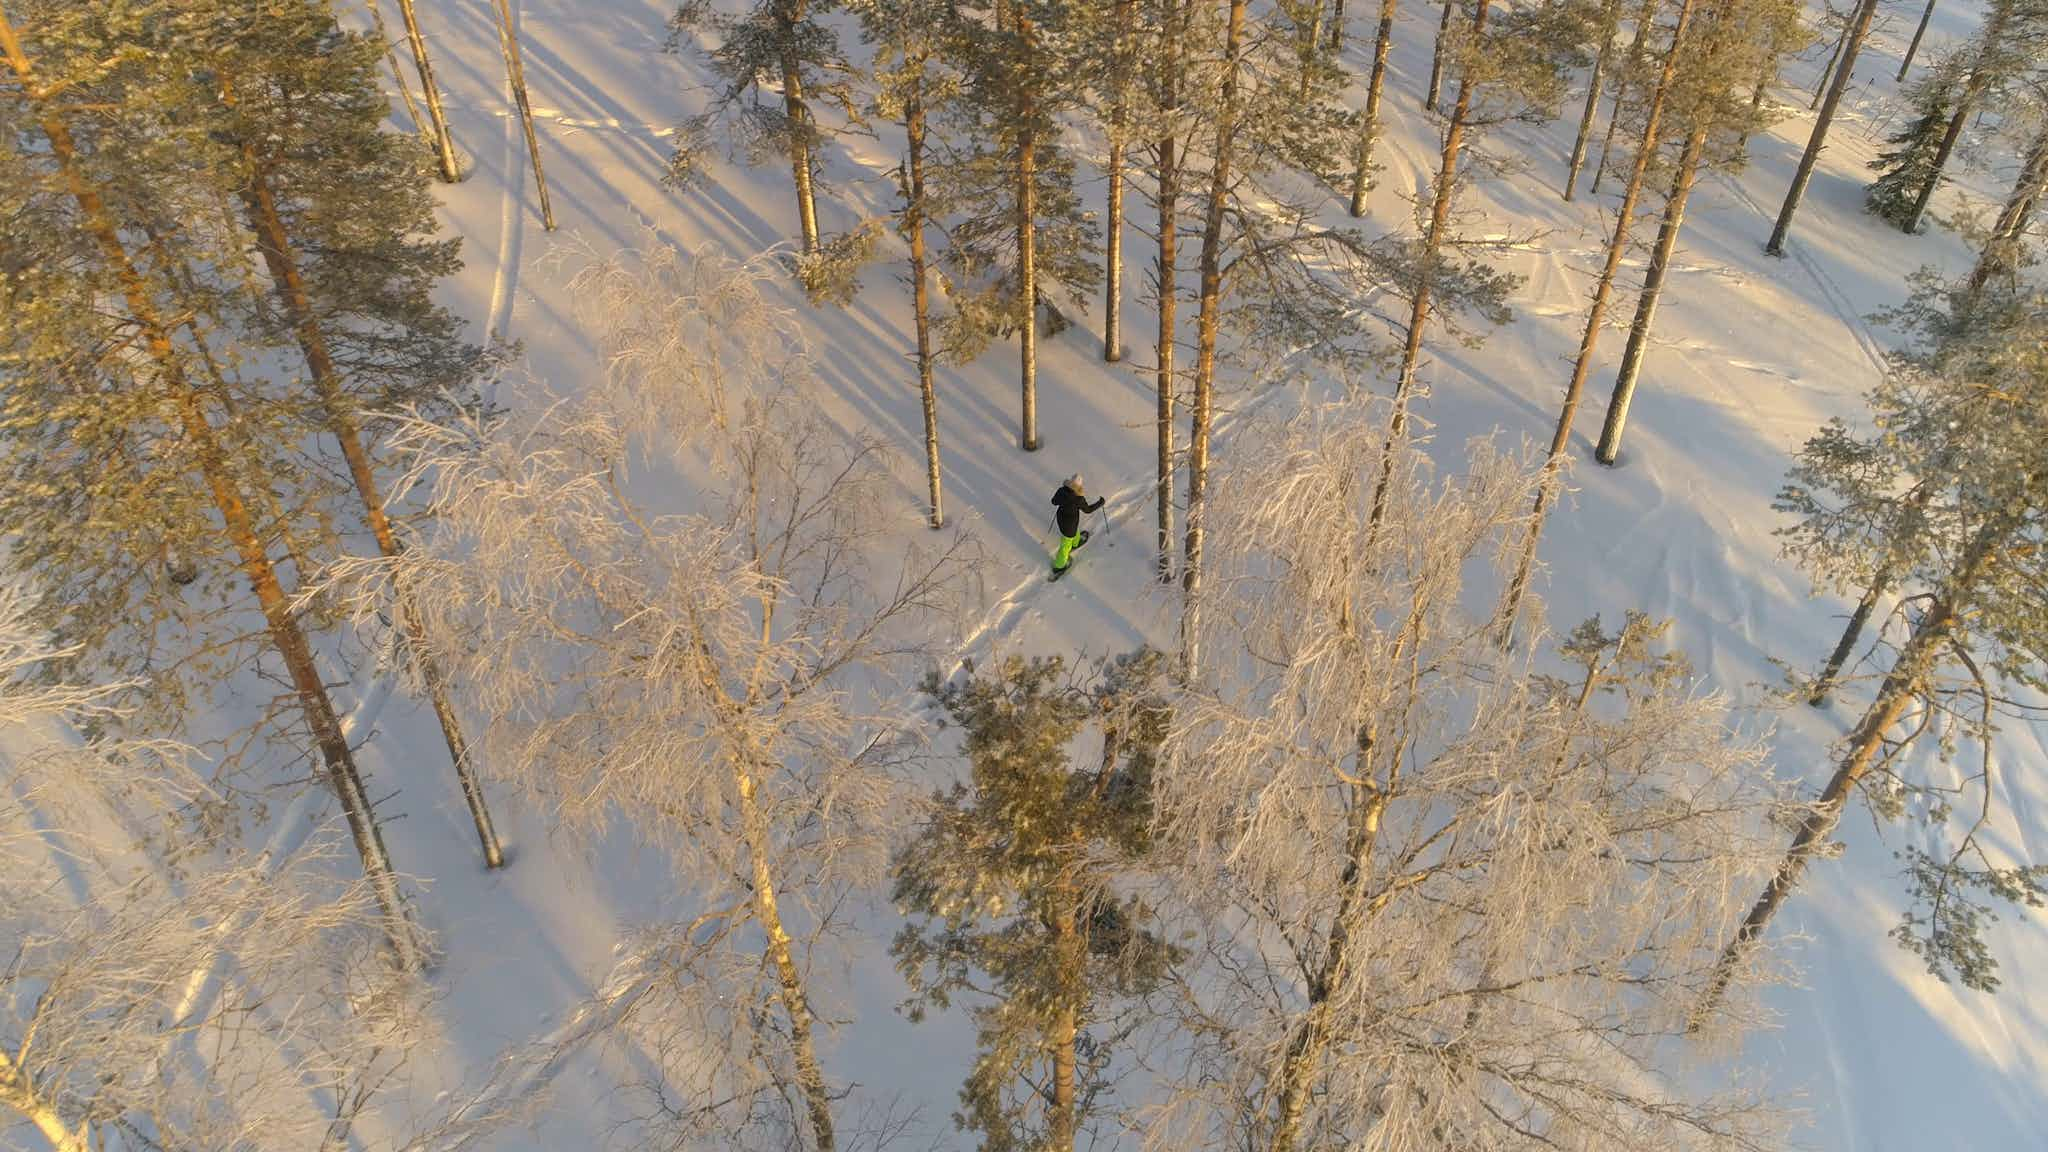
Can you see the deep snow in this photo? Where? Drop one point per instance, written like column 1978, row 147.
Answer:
column 1752, row 354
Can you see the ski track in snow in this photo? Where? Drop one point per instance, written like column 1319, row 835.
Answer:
column 511, row 217
column 1837, row 300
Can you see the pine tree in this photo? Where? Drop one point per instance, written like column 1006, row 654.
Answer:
column 340, row 223
column 1596, row 313
column 1118, row 66
column 1011, row 887
column 1625, row 81
column 907, row 36
column 2009, row 42
column 1908, row 164
column 1604, row 32
column 2002, row 251
column 774, row 42
column 129, row 383
column 1851, row 45
column 1168, row 80
column 1369, row 121
column 1949, row 492
column 1704, row 102
column 1913, row 45
column 444, row 141
column 515, row 79
column 1025, row 231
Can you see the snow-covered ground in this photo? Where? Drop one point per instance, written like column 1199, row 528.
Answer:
column 1752, row 354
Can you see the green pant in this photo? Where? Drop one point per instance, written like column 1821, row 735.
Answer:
column 1065, row 555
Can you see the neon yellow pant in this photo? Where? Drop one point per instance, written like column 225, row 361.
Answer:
column 1065, row 555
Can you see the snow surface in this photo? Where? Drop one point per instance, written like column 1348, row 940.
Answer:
column 1752, row 354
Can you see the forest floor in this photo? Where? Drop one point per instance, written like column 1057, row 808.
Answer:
column 1752, row 354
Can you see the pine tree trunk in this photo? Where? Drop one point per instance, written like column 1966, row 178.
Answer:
column 1336, row 27
column 1913, row 46
column 920, row 292
column 1646, row 302
column 281, row 260
column 444, row 142
column 1645, row 16
column 1063, row 1119
column 1596, row 319
column 1027, row 246
column 1764, row 78
column 1172, row 17
column 1206, row 323
column 1308, row 38
column 1865, row 744
column 515, row 75
column 796, row 1004
column 1113, row 239
column 789, row 14
column 1369, row 127
column 1610, row 17
column 1850, row 634
column 1432, row 247
column 1852, row 45
column 18, row 1093
column 2000, row 254
column 412, row 110
column 1991, row 39
column 1305, row 1046
column 1436, row 60
column 1827, row 71
column 237, row 525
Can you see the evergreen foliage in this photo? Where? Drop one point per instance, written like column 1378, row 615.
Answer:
column 1907, row 164
column 1011, row 884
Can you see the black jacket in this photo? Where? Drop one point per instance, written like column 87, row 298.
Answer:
column 1071, row 504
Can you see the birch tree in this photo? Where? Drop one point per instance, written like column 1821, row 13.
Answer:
column 1949, row 492
column 1411, row 844
column 706, row 671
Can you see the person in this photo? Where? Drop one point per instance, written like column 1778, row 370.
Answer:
column 1069, row 502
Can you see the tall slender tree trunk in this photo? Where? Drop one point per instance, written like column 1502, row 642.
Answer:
column 1425, row 274
column 412, row 109
column 1610, row 17
column 1027, row 242
column 1827, row 71
column 444, row 142
column 1173, row 15
column 18, row 1093
column 1913, row 46
column 1646, row 15
column 2000, row 254
column 1646, row 303
column 1858, row 619
column 236, row 523
column 1062, row 1122
column 789, row 14
column 1308, row 40
column 259, row 202
column 1113, row 239
column 1764, row 77
column 1310, row 1036
column 1208, row 318
column 515, row 76
column 920, row 290
column 1865, row 744
column 789, row 979
column 1369, row 127
column 1990, row 40
column 1336, row 27
column 1596, row 319
column 1852, row 44
column 1436, row 59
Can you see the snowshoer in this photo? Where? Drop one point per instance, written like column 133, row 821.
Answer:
column 1069, row 502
